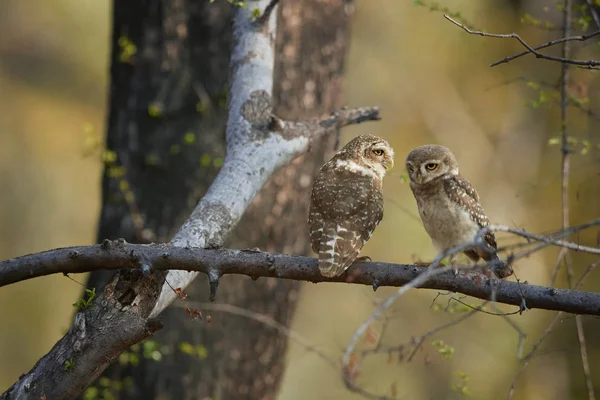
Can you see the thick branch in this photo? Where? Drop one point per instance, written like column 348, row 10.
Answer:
column 255, row 264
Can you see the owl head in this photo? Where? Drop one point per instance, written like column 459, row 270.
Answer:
column 370, row 151
column 427, row 163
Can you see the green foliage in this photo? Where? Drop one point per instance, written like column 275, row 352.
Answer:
column 151, row 350
column 129, row 358
column 434, row 6
column 404, row 177
column 106, row 389
column 527, row 19
column 580, row 146
column 443, row 349
column 206, row 160
column 69, row 364
column 255, row 14
column 242, row 4
column 155, row 109
column 189, row 138
column 543, row 96
column 461, row 387
column 86, row 301
column 109, row 156
column 198, row 350
column 584, row 19
column 148, row 349
column 92, row 141
column 127, row 50
column 453, row 307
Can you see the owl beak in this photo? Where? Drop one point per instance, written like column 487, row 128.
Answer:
column 388, row 164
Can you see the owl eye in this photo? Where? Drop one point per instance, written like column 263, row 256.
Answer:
column 431, row 166
column 378, row 152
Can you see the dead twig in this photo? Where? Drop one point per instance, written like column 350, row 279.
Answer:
column 580, row 63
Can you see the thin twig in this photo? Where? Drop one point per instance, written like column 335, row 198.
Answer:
column 546, row 239
column 267, row 321
column 579, row 38
column 581, row 63
column 547, row 331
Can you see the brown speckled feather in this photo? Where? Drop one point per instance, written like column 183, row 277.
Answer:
column 464, row 194
column 347, row 202
column 345, row 209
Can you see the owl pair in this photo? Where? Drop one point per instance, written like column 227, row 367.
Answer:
column 347, row 203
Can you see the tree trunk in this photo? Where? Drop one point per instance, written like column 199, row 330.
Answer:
column 166, row 127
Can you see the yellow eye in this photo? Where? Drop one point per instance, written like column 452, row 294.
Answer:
column 378, row 152
column 431, row 166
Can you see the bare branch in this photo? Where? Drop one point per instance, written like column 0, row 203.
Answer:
column 547, row 331
column 255, row 264
column 581, row 63
column 263, row 319
column 546, row 239
column 579, row 38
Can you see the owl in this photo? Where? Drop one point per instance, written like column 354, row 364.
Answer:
column 347, row 202
column 449, row 205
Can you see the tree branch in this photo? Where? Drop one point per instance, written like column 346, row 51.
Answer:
column 256, row 264
column 581, row 63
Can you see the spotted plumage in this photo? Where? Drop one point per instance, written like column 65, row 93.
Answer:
column 449, row 205
column 347, row 202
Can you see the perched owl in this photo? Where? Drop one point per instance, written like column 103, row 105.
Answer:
column 347, row 202
column 449, row 204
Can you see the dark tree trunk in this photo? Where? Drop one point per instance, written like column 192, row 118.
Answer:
column 181, row 59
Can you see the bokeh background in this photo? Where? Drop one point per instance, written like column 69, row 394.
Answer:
column 434, row 85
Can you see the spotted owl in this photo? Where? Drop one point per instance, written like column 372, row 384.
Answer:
column 347, row 202
column 449, row 205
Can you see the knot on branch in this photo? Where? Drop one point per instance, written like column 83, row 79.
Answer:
column 257, row 111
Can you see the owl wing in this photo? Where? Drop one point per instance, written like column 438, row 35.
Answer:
column 346, row 207
column 460, row 191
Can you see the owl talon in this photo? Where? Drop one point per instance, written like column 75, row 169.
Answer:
column 422, row 263
column 363, row 259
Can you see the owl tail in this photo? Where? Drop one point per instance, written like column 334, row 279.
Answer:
column 338, row 249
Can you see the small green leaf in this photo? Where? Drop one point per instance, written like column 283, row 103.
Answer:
column 155, row 110
column 205, row 160
column 189, row 138
column 218, row 162
column 69, row 364
column 255, row 13
column 109, row 156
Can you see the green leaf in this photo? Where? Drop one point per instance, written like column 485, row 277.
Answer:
column 155, row 109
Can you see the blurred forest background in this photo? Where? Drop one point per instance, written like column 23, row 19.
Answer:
column 434, row 85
